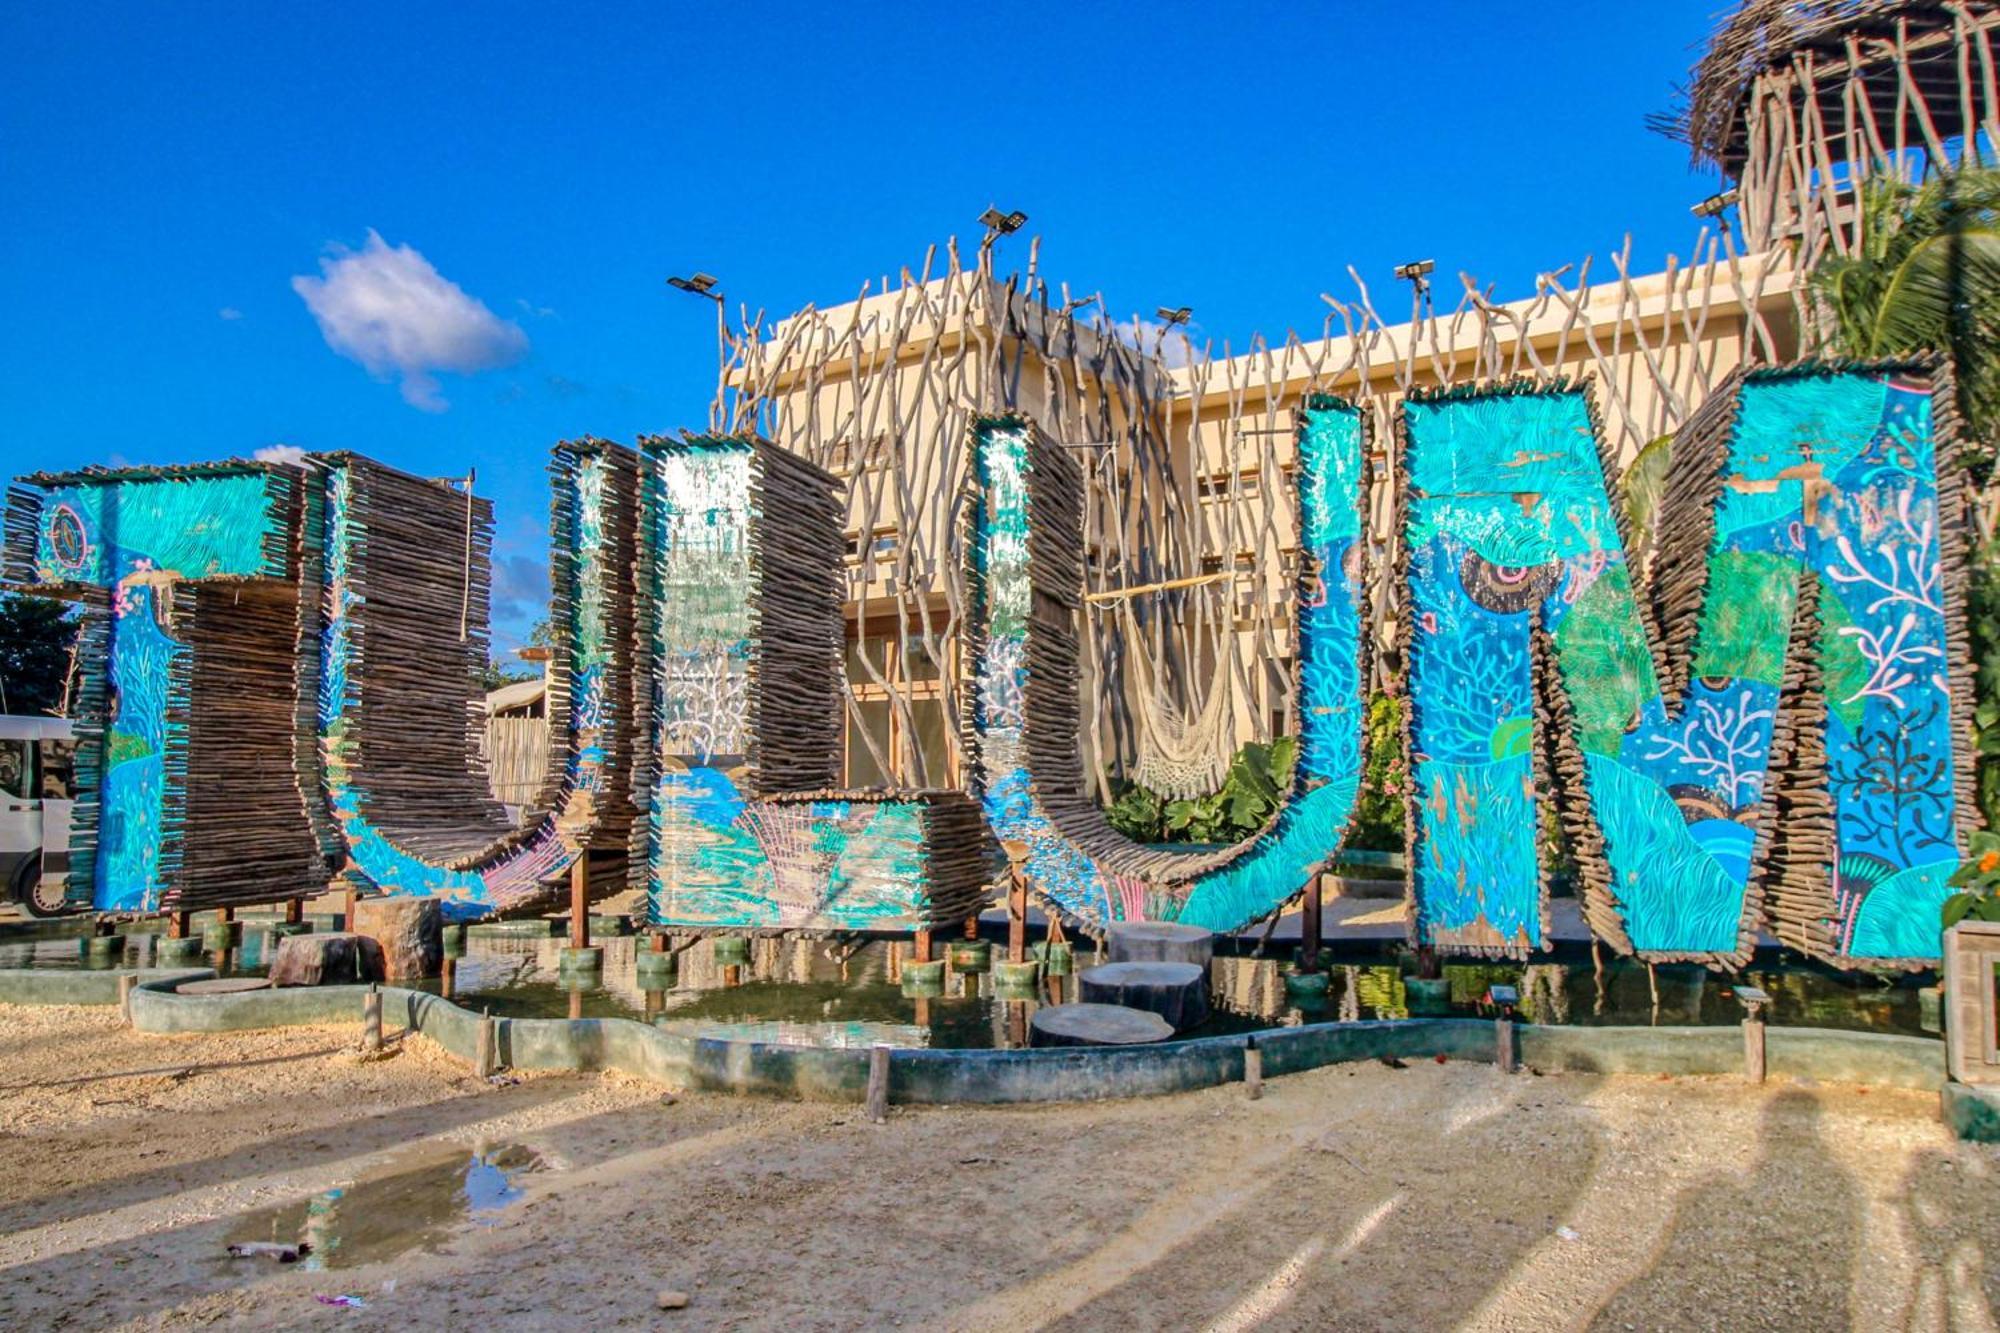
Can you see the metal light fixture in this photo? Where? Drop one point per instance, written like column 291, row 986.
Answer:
column 1003, row 224
column 701, row 284
column 1753, row 999
column 1417, row 271
column 999, row 224
column 1715, row 204
column 1172, row 315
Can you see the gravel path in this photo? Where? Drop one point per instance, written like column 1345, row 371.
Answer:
column 1427, row 1197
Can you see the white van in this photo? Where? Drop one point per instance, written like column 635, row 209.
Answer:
column 37, row 791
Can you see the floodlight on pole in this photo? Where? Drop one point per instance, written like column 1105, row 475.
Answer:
column 1172, row 315
column 1716, row 205
column 1417, row 271
column 700, row 284
column 1713, row 206
column 999, row 224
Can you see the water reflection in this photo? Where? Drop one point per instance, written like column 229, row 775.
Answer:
column 412, row 1201
column 849, row 991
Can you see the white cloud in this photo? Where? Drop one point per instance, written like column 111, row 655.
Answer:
column 229, row 313
column 280, row 453
column 386, row 307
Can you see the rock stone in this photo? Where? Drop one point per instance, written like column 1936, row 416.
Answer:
column 1159, row 942
column 410, row 931
column 672, row 1300
column 337, row 959
column 1095, row 1025
column 1177, row 992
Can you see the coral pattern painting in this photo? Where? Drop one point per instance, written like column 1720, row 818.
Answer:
column 1825, row 503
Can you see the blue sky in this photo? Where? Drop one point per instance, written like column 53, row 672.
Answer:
column 172, row 170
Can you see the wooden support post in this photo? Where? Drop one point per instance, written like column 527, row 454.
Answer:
column 347, row 909
column 1253, row 1071
column 371, row 1021
column 1017, row 917
column 878, row 1083
column 1310, row 917
column 295, row 911
column 972, row 926
column 125, row 985
column 923, row 954
column 732, row 976
column 179, row 924
column 660, row 942
column 484, row 1049
column 1753, row 1048
column 449, row 979
column 225, row 914
column 576, row 1003
column 579, row 901
column 1503, row 1043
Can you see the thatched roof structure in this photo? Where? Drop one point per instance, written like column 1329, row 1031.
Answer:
column 1766, row 36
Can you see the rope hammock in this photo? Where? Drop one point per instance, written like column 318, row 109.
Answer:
column 1181, row 756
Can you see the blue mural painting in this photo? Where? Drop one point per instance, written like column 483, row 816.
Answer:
column 132, row 537
column 1276, row 864
column 1510, row 532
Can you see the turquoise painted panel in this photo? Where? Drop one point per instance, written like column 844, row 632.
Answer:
column 1509, row 524
column 135, row 537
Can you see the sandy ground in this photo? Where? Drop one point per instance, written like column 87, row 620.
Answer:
column 1429, row 1197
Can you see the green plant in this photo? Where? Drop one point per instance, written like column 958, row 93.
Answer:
column 1978, row 884
column 1378, row 814
column 1259, row 777
column 1982, row 622
column 1925, row 276
column 1139, row 812
column 1258, row 780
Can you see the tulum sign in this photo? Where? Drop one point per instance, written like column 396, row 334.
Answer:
column 1768, row 732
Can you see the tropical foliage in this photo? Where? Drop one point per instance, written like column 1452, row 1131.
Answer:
column 1254, row 788
column 1977, row 882
column 1925, row 277
column 1385, row 780
column 35, row 638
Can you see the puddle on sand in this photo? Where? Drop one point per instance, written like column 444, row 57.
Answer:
column 412, row 1201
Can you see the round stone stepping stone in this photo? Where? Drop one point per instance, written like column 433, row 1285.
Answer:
column 1177, row 992
column 1159, row 942
column 1095, row 1025
column 222, row 985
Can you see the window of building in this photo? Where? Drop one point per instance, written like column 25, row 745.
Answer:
column 884, row 665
